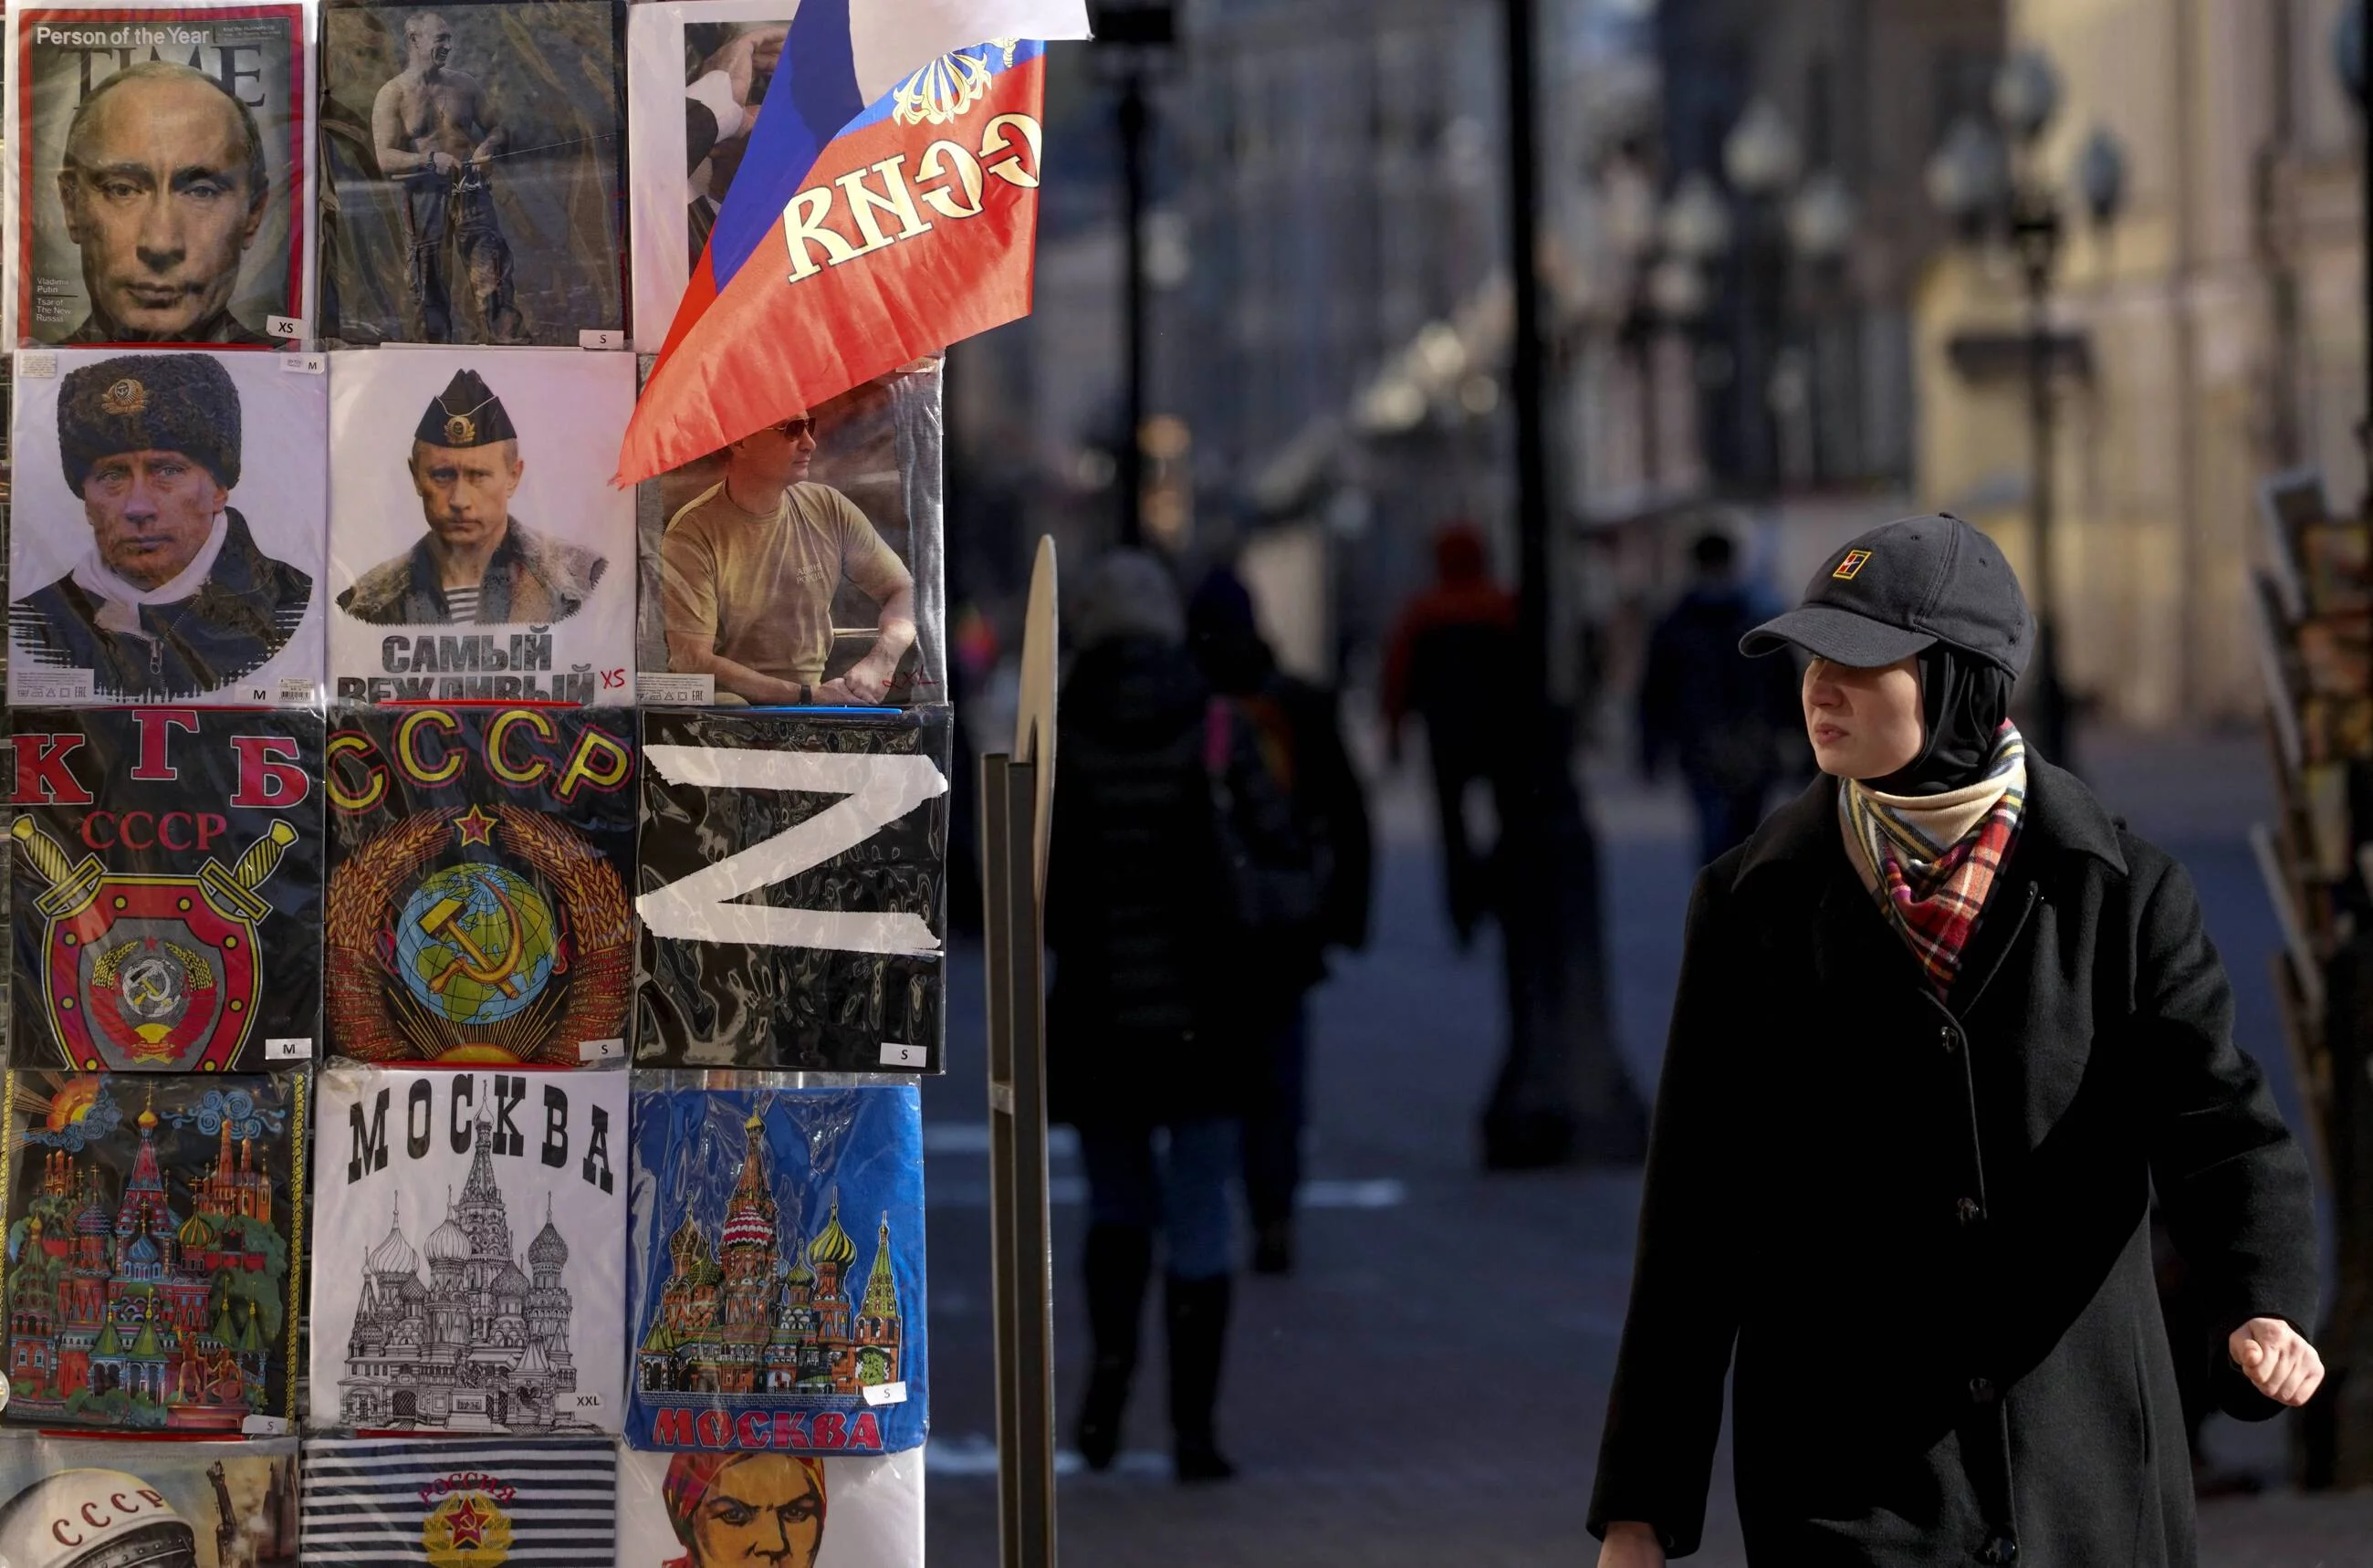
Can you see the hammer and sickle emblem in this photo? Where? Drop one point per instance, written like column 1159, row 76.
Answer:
column 460, row 431
column 442, row 924
column 124, row 399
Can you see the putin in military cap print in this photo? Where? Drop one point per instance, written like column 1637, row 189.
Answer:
column 171, row 598
column 477, row 564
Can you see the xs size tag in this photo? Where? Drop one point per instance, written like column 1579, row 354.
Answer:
column 284, row 326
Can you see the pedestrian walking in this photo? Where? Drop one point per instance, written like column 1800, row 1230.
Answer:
column 1299, row 749
column 1451, row 661
column 1943, row 1024
column 1724, row 720
column 1148, row 1051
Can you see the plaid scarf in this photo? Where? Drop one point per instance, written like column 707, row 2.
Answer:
column 1931, row 860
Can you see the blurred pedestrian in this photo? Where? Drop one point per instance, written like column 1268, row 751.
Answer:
column 1452, row 662
column 1300, row 746
column 1724, row 718
column 1943, row 1026
column 1148, row 1046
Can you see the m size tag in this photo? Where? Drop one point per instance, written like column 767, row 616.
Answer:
column 288, row 1049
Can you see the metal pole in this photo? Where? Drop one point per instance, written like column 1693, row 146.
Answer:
column 2040, row 242
column 1136, row 118
column 1020, row 1256
column 1525, row 369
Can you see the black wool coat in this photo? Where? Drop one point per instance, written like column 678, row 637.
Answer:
column 1921, row 1227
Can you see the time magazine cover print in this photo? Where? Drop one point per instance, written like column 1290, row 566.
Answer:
column 166, row 528
column 803, row 563
column 459, row 1502
column 776, row 1245
column 477, row 550
column 161, row 189
column 154, row 1248
column 166, row 889
column 474, row 162
column 101, row 1503
column 699, row 1510
column 469, row 1257
column 479, row 861
column 792, row 884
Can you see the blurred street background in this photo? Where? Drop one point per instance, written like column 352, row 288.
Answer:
column 2086, row 273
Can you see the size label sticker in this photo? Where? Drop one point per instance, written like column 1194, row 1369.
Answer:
column 305, row 364
column 50, row 686
column 297, row 689
column 654, row 688
column 282, row 326
column 37, row 365
column 288, row 1050
column 265, row 1426
column 602, row 1050
column 601, row 338
column 885, row 1394
column 897, row 1055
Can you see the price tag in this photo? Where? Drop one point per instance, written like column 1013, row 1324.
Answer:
column 602, row 1050
column 36, row 365
column 265, row 1426
column 288, row 1050
column 305, row 364
column 50, row 686
column 282, row 326
column 896, row 1055
column 658, row 689
column 885, row 1394
column 605, row 338
column 297, row 689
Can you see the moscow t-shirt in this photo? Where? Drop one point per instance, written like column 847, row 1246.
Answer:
column 759, row 588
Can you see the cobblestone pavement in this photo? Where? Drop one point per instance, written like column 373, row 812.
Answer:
column 1427, row 1390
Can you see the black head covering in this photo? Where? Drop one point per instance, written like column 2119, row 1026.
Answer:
column 182, row 401
column 467, row 413
column 1963, row 701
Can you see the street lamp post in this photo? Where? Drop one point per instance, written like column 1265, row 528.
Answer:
column 1984, row 189
column 1132, row 34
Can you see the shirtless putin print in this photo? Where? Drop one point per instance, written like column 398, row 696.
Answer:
column 458, row 139
column 437, row 132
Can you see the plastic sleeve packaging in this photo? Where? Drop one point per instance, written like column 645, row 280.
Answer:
column 166, row 889
column 481, row 859
column 549, row 1503
column 216, row 105
column 214, row 599
column 740, row 609
column 470, row 1274
column 776, row 1255
column 482, row 208
column 156, row 1250
column 503, row 456
column 793, row 889
column 69, row 1500
column 841, row 1513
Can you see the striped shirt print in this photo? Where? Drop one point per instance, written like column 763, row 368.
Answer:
column 372, row 1503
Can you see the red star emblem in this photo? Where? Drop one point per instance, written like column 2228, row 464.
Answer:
column 476, row 827
column 468, row 1523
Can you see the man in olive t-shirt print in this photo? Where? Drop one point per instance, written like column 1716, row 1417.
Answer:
column 747, row 573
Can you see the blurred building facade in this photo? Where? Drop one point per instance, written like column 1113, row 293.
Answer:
column 2222, row 328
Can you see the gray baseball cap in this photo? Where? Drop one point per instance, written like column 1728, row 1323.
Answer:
column 1904, row 587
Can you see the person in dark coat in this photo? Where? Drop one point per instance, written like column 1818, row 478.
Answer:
column 1724, row 718
column 1943, row 1024
column 1147, row 1052
column 1448, row 662
column 1302, row 735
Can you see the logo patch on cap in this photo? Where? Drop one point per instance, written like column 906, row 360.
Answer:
column 124, row 399
column 461, row 430
column 1855, row 560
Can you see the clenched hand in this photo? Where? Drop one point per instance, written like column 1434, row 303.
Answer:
column 2280, row 1363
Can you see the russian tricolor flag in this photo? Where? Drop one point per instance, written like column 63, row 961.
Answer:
column 887, row 208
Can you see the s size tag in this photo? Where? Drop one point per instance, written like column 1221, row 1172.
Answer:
column 282, row 326
column 604, row 338
column 602, row 1050
column 305, row 364
column 885, row 1394
column 265, row 1426
column 288, row 1050
column 895, row 1055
